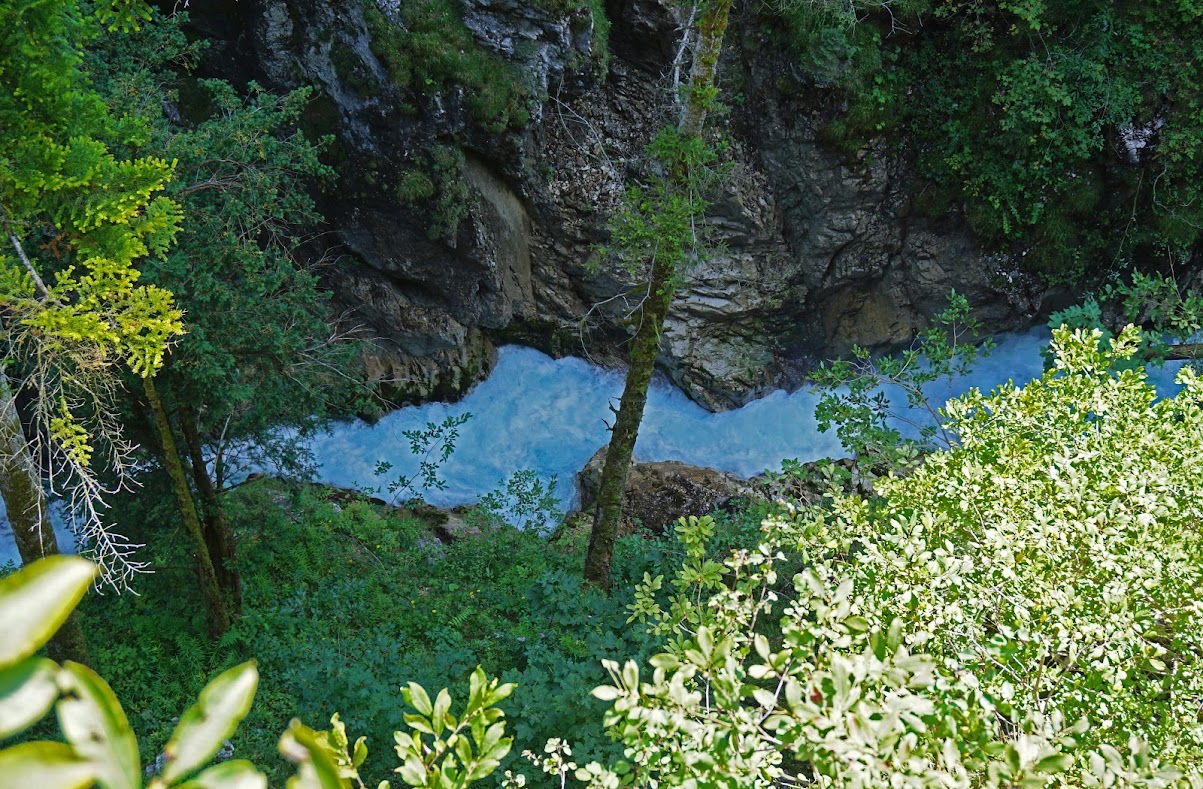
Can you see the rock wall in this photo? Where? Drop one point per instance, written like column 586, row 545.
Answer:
column 817, row 249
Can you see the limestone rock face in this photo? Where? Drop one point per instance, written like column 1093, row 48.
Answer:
column 815, row 249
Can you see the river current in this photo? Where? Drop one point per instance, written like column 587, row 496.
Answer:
column 551, row 415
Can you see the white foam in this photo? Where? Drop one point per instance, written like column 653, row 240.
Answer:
column 550, row 415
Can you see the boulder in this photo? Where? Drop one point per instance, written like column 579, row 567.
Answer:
column 659, row 493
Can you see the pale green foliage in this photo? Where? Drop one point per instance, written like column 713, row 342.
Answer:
column 1021, row 609
column 101, row 746
column 855, row 402
column 1056, row 554
column 556, row 760
column 439, row 751
column 76, row 218
column 699, row 577
column 831, row 700
column 443, row 752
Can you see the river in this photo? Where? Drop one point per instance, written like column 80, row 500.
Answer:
column 550, row 415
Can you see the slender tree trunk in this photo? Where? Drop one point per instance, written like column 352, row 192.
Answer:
column 218, row 534
column 701, row 91
column 217, row 617
column 25, row 501
column 695, row 105
column 644, row 349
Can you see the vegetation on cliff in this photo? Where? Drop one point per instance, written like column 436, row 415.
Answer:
column 1019, row 607
column 1070, row 131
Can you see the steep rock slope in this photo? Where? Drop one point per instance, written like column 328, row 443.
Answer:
column 476, row 181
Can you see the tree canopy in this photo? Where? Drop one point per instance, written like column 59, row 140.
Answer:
column 78, row 214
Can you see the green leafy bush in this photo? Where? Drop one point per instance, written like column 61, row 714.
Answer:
column 1070, row 131
column 372, row 599
column 431, row 51
column 102, row 749
column 1020, row 610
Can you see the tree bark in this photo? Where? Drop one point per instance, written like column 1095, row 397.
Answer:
column 644, row 350
column 217, row 617
column 25, row 501
column 698, row 98
column 219, row 535
column 701, row 90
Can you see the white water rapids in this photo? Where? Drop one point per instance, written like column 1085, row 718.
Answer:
column 550, row 416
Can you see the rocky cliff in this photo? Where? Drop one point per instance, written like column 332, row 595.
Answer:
column 476, row 181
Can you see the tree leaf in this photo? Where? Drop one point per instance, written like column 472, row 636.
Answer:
column 442, row 705
column 234, row 774
column 412, row 771
column 315, row 768
column 93, row 721
column 27, row 692
column 45, row 765
column 1054, row 763
column 221, row 707
column 360, row 752
column 36, row 600
column 416, row 697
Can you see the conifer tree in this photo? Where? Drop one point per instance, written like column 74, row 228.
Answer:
column 260, row 353
column 75, row 218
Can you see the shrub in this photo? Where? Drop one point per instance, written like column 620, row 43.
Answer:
column 1020, row 610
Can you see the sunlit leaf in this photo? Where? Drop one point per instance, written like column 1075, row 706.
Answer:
column 221, row 707
column 36, row 600
column 93, row 721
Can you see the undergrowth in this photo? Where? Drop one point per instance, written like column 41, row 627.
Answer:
column 346, row 600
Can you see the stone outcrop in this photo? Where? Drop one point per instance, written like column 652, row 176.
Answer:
column 657, row 494
column 815, row 250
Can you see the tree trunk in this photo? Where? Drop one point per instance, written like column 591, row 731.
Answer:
column 644, row 350
column 696, row 103
column 216, row 615
column 702, row 89
column 219, row 536
column 25, row 500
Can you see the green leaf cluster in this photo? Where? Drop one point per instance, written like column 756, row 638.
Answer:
column 74, row 209
column 1070, row 131
column 1000, row 616
column 100, row 745
column 854, row 397
column 373, row 597
column 427, row 49
column 101, row 748
column 660, row 221
column 441, row 750
column 261, row 351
